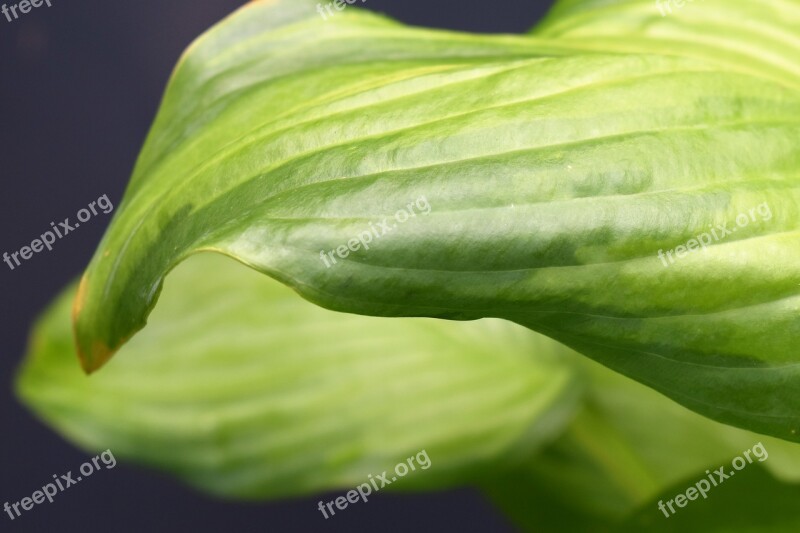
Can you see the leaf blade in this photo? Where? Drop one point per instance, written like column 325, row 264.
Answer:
column 553, row 178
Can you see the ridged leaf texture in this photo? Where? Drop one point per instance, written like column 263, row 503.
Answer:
column 556, row 166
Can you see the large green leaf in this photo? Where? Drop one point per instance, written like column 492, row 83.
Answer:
column 243, row 389
column 554, row 173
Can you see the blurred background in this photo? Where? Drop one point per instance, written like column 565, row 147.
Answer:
column 80, row 83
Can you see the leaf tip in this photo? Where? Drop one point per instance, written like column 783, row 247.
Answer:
column 98, row 353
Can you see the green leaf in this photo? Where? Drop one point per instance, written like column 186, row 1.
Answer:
column 544, row 177
column 752, row 502
column 628, row 445
column 242, row 389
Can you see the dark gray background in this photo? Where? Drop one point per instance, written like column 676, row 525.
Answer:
column 80, row 83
